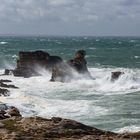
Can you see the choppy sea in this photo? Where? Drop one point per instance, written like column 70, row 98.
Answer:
column 98, row 102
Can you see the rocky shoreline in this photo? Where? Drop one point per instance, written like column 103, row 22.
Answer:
column 15, row 127
column 37, row 128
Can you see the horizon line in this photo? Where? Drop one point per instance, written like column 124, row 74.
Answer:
column 59, row 35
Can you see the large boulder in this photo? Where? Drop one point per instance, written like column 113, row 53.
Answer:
column 8, row 111
column 28, row 63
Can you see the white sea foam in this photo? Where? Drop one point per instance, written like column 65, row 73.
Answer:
column 3, row 42
column 131, row 129
column 38, row 96
column 136, row 57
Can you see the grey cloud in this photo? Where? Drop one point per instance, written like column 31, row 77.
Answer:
column 72, row 13
column 18, row 10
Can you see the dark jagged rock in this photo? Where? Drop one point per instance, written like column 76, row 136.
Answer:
column 29, row 61
column 8, row 111
column 5, row 81
column 115, row 75
column 4, row 92
column 13, row 111
column 7, row 72
column 7, row 86
column 64, row 71
column 3, row 106
column 79, row 63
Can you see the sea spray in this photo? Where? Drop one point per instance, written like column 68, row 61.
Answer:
column 77, row 99
column 99, row 101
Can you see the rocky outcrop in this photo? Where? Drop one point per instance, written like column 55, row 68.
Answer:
column 64, row 71
column 7, row 86
column 78, row 62
column 29, row 61
column 36, row 128
column 7, row 72
column 15, row 127
column 8, row 111
column 115, row 75
column 4, row 92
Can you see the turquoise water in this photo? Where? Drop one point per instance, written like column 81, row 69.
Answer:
column 99, row 102
column 101, row 51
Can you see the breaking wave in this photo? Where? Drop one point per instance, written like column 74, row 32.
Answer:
column 3, row 42
column 80, row 99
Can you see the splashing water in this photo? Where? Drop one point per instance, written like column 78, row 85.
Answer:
column 99, row 101
column 82, row 99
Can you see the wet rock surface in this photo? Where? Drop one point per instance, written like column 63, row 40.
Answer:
column 29, row 61
column 64, row 71
column 3, row 87
column 7, row 86
column 8, row 111
column 4, row 92
column 36, row 128
column 115, row 75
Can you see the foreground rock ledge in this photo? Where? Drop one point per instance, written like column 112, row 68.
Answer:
column 36, row 128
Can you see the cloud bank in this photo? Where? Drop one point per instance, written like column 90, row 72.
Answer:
column 72, row 13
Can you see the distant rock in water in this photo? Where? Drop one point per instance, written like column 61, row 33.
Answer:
column 78, row 62
column 29, row 61
column 115, row 75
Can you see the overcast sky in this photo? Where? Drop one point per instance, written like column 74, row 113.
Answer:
column 70, row 17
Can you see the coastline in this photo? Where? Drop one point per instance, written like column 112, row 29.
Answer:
column 37, row 128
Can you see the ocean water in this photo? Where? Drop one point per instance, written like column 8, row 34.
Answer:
column 98, row 102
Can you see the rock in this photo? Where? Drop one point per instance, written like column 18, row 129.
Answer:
column 7, row 86
column 63, row 72
column 4, row 92
column 56, row 119
column 13, row 111
column 1, row 125
column 38, row 128
column 29, row 61
column 8, row 111
column 5, row 81
column 79, row 63
column 55, row 128
column 3, row 106
column 115, row 75
column 7, row 72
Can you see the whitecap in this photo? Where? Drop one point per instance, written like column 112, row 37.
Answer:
column 136, row 57
column 38, row 96
column 131, row 129
column 3, row 42
column 132, row 41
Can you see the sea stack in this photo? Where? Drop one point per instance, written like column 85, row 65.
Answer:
column 29, row 61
